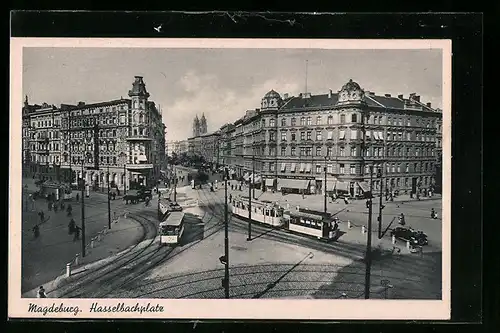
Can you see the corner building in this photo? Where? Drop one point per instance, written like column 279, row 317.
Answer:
column 124, row 136
column 290, row 140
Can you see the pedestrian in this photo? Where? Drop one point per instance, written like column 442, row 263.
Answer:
column 55, row 207
column 49, row 206
column 36, row 231
column 77, row 233
column 41, row 293
column 62, row 204
column 77, row 197
column 69, row 210
column 433, row 214
column 402, row 219
column 42, row 216
column 71, row 227
column 230, row 197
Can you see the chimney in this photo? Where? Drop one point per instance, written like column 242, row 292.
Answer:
column 417, row 98
column 330, row 93
column 285, row 95
column 81, row 103
column 428, row 104
column 387, row 95
column 306, row 95
column 400, row 96
column 412, row 96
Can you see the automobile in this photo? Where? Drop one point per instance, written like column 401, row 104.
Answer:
column 408, row 234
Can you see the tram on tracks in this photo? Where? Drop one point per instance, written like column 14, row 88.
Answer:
column 172, row 229
column 300, row 221
column 165, row 207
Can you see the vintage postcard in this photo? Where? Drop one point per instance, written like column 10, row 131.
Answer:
column 230, row 179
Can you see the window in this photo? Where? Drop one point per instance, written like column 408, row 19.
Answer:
column 354, row 118
column 272, row 136
column 293, row 136
column 309, row 151
column 318, row 169
column 271, row 166
column 292, row 151
column 309, row 133
column 353, row 151
column 330, row 120
column 342, row 118
column 417, row 151
column 408, row 136
column 352, row 169
column 302, row 151
column 318, row 151
column 283, row 121
column 302, row 136
column 283, row 151
column 309, row 121
column 303, row 121
column 319, row 120
column 368, row 135
column 342, row 170
column 330, row 135
column 329, row 151
column 389, row 121
column 293, row 121
column 319, row 136
column 263, row 123
column 341, row 151
column 354, row 134
column 399, row 168
column 393, row 168
column 283, row 136
column 393, row 151
column 114, row 160
column 329, row 168
column 415, row 167
column 272, row 122
column 367, row 151
column 341, row 135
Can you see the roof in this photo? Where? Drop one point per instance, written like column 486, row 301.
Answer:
column 94, row 105
column 313, row 101
column 174, row 219
column 272, row 93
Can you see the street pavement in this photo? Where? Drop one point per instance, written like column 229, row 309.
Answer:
column 274, row 264
column 45, row 258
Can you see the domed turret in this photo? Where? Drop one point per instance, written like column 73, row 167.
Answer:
column 351, row 92
column 271, row 100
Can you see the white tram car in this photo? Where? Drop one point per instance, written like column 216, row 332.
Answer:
column 300, row 221
column 263, row 212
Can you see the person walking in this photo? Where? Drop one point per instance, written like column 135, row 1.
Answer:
column 69, row 210
column 36, row 231
column 71, row 227
column 77, row 233
column 41, row 293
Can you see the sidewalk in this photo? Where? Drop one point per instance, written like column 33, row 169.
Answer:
column 122, row 235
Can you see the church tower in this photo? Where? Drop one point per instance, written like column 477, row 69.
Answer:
column 203, row 124
column 196, row 126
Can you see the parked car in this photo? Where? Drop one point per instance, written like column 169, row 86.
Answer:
column 408, row 234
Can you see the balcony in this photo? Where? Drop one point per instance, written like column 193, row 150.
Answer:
column 139, row 166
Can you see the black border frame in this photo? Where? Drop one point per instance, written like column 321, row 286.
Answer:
column 466, row 33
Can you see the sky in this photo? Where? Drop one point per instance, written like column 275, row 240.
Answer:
column 222, row 83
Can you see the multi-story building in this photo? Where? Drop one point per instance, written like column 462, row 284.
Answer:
column 206, row 146
column 291, row 141
column 125, row 137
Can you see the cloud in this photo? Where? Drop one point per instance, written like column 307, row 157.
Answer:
column 220, row 103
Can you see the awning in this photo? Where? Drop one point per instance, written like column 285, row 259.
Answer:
column 302, row 167
column 293, row 183
column 283, row 167
column 364, row 186
column 269, row 182
column 308, row 167
column 292, row 168
column 342, row 186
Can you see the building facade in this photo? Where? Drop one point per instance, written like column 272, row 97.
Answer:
column 206, row 146
column 124, row 136
column 290, row 141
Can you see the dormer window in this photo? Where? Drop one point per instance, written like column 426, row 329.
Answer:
column 354, row 118
column 342, row 118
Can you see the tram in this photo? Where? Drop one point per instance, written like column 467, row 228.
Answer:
column 59, row 190
column 263, row 212
column 311, row 223
column 172, row 229
column 165, row 207
column 299, row 221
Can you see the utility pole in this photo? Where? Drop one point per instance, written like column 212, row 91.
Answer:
column 253, row 175
column 381, row 206
column 249, row 238
column 368, row 257
column 124, row 179
column 226, row 236
column 175, row 188
column 109, row 203
column 324, row 190
column 83, row 210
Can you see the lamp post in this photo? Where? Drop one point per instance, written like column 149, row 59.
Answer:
column 324, row 189
column 381, row 206
column 369, row 239
column 226, row 236
column 82, row 183
column 109, row 202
